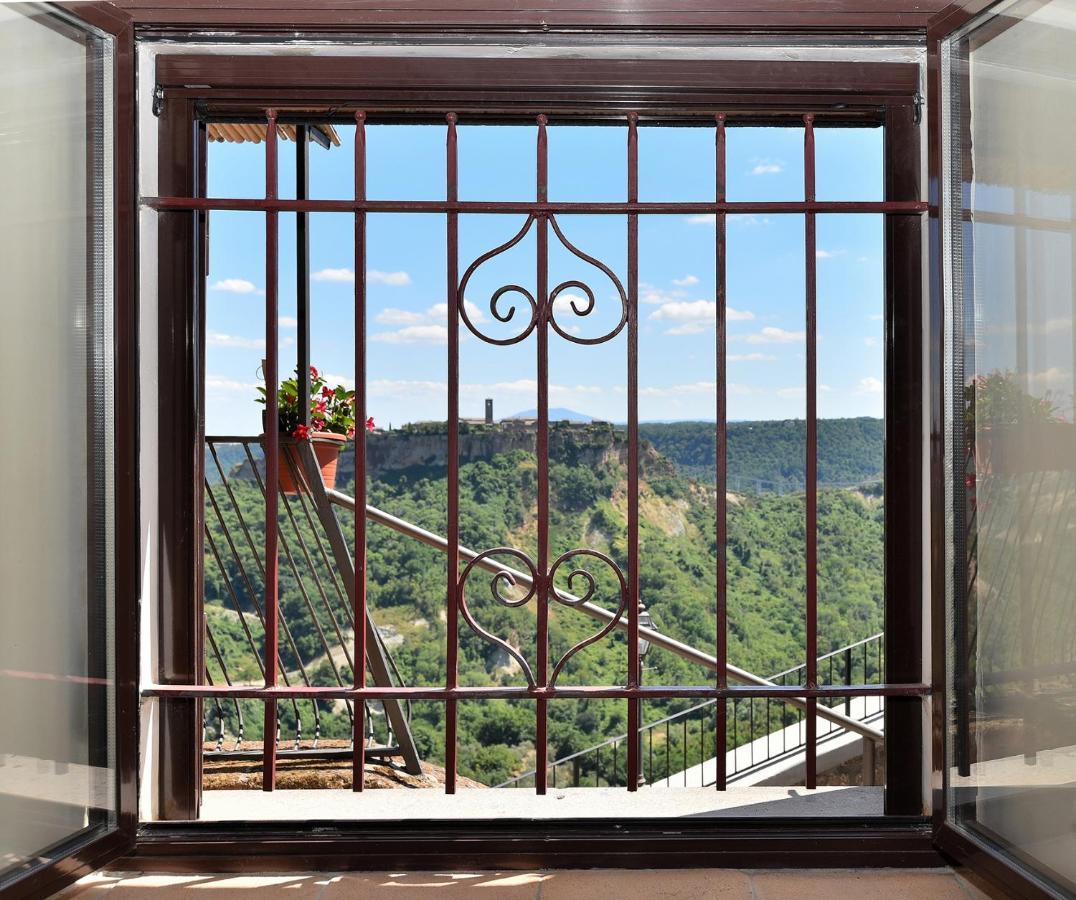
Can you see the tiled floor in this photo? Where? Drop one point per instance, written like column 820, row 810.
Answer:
column 594, row 884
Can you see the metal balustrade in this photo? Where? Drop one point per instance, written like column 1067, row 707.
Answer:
column 304, row 531
column 599, row 765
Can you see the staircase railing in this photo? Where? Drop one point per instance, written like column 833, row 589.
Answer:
column 323, row 577
column 749, row 718
column 326, row 599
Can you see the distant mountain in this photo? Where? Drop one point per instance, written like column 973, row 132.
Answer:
column 556, row 414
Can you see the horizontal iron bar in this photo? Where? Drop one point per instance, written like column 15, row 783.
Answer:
column 326, row 753
column 656, row 638
column 187, row 204
column 649, row 691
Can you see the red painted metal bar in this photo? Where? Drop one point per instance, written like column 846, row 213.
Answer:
column 642, row 692
column 542, row 452
column 811, row 474
column 721, row 416
column 358, row 722
column 272, row 456
column 454, row 587
column 738, row 207
column 634, row 673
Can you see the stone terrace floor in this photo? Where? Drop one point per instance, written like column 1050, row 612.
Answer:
column 593, row 884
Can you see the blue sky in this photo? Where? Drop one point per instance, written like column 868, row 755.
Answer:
column 406, row 314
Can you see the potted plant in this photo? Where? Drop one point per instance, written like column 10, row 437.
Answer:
column 332, row 422
column 1011, row 431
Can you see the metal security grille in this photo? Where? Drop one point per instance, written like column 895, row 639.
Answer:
column 537, row 325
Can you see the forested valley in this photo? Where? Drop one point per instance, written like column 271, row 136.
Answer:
column 406, row 581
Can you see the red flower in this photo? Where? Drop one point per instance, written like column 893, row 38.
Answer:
column 321, row 406
column 350, row 433
column 314, row 373
column 370, row 426
column 326, row 392
column 301, row 433
column 319, row 424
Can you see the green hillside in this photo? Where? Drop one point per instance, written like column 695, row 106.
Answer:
column 406, row 586
column 770, row 455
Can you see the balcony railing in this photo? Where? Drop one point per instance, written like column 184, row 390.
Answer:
column 750, row 719
column 314, row 552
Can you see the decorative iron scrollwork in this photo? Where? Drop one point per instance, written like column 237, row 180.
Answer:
column 545, row 311
column 589, row 308
column 501, row 579
column 509, row 314
column 587, row 596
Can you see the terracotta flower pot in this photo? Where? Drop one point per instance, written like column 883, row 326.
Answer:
column 327, row 447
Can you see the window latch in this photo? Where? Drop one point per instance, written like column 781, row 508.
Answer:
column 917, row 108
column 158, row 100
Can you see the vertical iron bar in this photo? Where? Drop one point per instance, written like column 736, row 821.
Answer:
column 634, row 672
column 722, row 464
column 811, row 475
column 848, row 679
column 358, row 740
column 272, row 455
column 302, row 270
column 685, row 751
column 452, row 458
column 542, row 294
column 668, row 767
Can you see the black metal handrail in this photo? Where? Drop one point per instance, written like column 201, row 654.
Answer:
column 586, row 766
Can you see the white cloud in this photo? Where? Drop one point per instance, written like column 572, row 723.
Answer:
column 733, row 220
column 235, row 286
column 686, row 281
column 288, row 322
column 414, row 334
column 216, row 339
column 695, row 316
column 872, row 342
column 220, row 384
column 335, row 275
column 393, row 279
column 767, row 166
column 800, row 392
column 828, row 254
column 373, row 276
column 649, row 293
column 870, row 385
column 426, row 327
column 391, row 316
column 773, row 335
column 877, row 317
column 521, row 389
column 346, row 380
column 1051, row 378
column 694, row 388
column 752, row 357
column 343, row 276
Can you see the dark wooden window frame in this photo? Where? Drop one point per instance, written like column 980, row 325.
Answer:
column 99, row 842
column 763, row 91
column 962, row 845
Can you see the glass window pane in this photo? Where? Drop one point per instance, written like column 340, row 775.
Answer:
column 1011, row 266
column 57, row 744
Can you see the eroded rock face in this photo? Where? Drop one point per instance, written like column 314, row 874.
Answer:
column 591, row 445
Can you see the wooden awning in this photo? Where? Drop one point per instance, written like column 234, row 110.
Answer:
column 252, row 132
